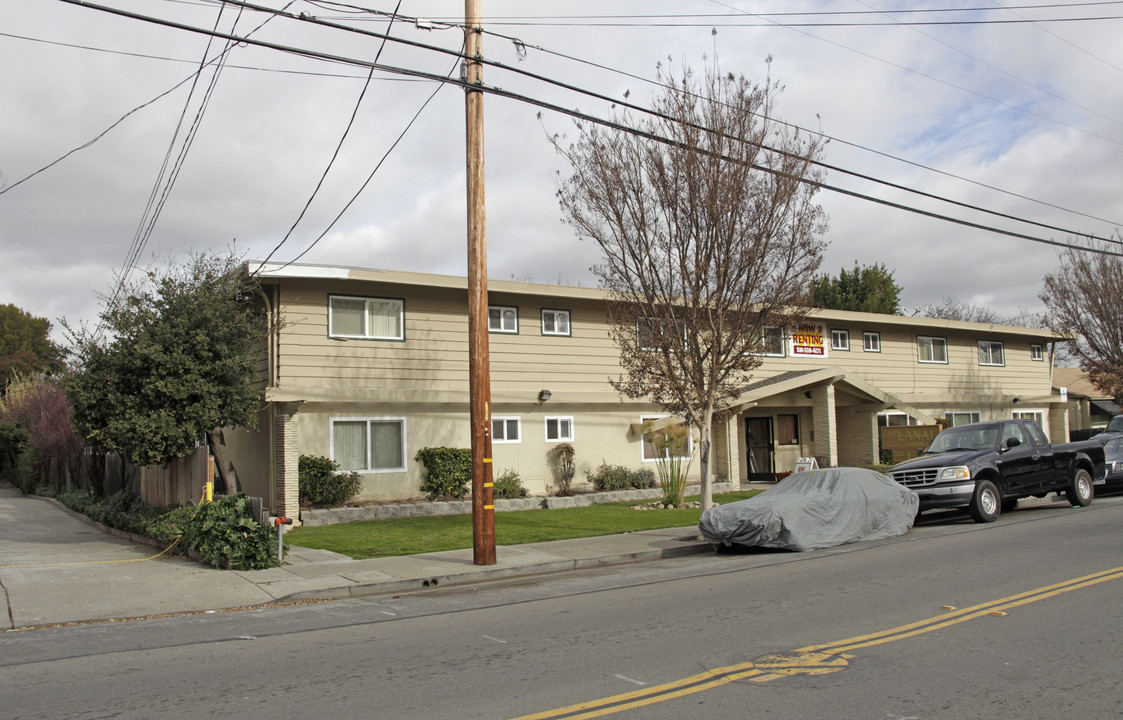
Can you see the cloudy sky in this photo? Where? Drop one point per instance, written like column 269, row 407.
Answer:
column 976, row 106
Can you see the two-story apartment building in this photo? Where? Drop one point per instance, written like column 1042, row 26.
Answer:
column 369, row 366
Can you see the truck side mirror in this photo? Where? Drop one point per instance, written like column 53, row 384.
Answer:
column 1012, row 442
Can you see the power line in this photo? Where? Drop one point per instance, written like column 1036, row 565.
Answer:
column 573, row 113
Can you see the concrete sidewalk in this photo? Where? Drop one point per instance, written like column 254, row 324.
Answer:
column 60, row 567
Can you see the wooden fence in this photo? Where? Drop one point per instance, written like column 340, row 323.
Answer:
column 177, row 483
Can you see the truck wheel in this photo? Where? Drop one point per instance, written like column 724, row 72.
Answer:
column 986, row 503
column 1080, row 492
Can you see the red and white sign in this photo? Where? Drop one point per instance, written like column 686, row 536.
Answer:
column 809, row 340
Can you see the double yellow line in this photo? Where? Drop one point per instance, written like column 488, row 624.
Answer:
column 813, row 659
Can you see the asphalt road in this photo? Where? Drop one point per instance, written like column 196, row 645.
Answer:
column 1018, row 619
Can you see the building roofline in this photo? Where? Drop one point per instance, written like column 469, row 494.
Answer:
column 856, row 320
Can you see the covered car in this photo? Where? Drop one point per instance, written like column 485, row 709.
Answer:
column 815, row 509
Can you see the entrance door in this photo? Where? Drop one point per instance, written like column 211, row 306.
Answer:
column 758, row 437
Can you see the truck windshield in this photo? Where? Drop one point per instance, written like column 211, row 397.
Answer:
column 967, row 438
column 1116, row 424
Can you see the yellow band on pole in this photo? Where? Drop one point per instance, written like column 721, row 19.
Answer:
column 489, row 507
column 487, row 459
column 489, row 484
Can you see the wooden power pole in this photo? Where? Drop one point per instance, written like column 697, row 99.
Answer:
column 479, row 366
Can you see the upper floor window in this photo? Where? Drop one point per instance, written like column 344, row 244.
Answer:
column 871, row 341
column 963, row 418
column 370, row 318
column 555, row 322
column 506, row 429
column 840, row 339
column 932, row 349
column 773, row 342
column 652, row 333
column 990, row 353
column 502, row 319
column 1036, row 352
column 559, row 429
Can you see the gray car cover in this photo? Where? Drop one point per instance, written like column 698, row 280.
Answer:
column 816, row 509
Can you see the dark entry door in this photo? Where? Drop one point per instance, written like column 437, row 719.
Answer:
column 758, row 437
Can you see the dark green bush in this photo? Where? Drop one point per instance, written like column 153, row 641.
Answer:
column 617, row 477
column 123, row 510
column 509, row 485
column 225, row 533
column 447, row 472
column 321, row 483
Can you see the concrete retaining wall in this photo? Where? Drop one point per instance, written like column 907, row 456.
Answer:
column 331, row 516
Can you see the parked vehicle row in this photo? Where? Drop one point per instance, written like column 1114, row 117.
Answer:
column 987, row 467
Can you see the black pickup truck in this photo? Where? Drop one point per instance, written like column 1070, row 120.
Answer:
column 985, row 467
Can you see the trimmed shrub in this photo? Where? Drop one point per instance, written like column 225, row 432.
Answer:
column 225, row 534
column 509, row 485
column 321, row 483
column 561, row 462
column 448, row 471
column 617, row 477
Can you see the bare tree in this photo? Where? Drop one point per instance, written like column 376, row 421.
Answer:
column 705, row 217
column 1084, row 299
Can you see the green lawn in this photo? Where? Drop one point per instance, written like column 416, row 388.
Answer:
column 408, row 536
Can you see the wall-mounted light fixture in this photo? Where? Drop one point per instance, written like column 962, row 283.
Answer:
column 1017, row 400
column 807, row 394
column 543, row 396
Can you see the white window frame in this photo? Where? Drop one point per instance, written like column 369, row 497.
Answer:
column 1036, row 352
column 496, row 440
column 840, row 339
column 689, row 448
column 558, row 420
column 932, row 344
column 652, row 323
column 974, row 416
column 368, row 420
column 502, row 328
column 764, row 342
column 367, row 333
column 867, row 345
column 909, row 419
column 988, row 347
column 1037, row 416
column 556, row 313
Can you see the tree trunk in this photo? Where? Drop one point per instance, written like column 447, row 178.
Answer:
column 222, row 462
column 705, row 435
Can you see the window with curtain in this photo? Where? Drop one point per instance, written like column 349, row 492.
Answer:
column 369, row 444
column 369, row 318
column 787, row 430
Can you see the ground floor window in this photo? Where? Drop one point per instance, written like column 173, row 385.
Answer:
column 963, row 418
column 787, row 429
column 505, row 430
column 665, row 441
column 1038, row 416
column 559, row 429
column 369, row 444
column 895, row 419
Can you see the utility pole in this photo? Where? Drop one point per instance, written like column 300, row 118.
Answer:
column 479, row 365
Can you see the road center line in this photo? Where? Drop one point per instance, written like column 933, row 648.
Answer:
column 810, row 660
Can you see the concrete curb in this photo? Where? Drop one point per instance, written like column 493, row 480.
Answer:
column 493, row 574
